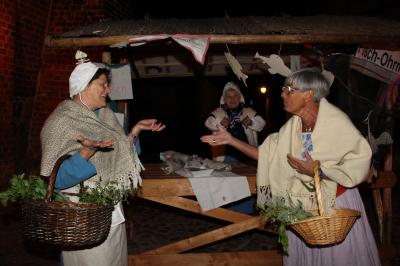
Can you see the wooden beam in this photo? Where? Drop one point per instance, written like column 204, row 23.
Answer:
column 375, row 41
column 194, row 206
column 209, row 237
column 251, row 258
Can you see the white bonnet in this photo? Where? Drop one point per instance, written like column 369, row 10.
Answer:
column 231, row 85
column 81, row 76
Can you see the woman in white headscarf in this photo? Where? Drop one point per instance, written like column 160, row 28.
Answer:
column 242, row 122
column 320, row 131
column 100, row 152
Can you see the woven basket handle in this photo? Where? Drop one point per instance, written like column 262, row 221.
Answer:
column 53, row 176
column 317, row 180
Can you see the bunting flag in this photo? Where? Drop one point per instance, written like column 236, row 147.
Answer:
column 198, row 45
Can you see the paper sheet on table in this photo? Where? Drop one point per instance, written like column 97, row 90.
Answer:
column 219, row 188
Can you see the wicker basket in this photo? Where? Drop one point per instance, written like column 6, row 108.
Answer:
column 325, row 229
column 70, row 225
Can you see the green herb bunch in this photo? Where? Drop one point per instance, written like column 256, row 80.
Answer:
column 34, row 188
column 277, row 213
column 28, row 188
column 105, row 195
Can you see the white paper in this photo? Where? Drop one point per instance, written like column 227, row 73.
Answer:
column 120, row 118
column 121, row 82
column 219, row 189
column 202, row 173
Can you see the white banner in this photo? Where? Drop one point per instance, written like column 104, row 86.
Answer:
column 379, row 64
column 389, row 60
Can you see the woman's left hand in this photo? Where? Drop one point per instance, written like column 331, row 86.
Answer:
column 147, row 124
column 303, row 167
column 247, row 121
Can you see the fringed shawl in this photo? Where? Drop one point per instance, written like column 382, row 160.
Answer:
column 343, row 152
column 59, row 136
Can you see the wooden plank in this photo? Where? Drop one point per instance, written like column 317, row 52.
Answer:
column 209, row 237
column 157, row 183
column 387, row 214
column 177, row 187
column 253, row 258
column 218, row 213
column 387, row 42
column 376, row 194
column 166, row 187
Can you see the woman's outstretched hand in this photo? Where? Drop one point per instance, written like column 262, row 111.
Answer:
column 89, row 147
column 146, row 124
column 218, row 137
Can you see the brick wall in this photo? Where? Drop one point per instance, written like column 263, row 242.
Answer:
column 52, row 85
column 7, row 141
column 34, row 78
column 30, row 27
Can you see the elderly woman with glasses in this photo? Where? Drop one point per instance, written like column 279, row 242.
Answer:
column 320, row 131
column 85, row 128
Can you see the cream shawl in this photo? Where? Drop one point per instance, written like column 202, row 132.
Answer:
column 59, row 137
column 343, row 152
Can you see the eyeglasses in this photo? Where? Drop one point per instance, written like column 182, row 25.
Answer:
column 289, row 89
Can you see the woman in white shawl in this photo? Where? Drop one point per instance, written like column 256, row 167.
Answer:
column 317, row 131
column 86, row 129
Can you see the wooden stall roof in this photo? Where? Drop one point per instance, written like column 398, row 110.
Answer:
column 376, row 32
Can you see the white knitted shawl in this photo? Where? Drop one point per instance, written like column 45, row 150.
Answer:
column 59, row 136
column 343, row 152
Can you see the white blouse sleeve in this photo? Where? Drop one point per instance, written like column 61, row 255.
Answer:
column 211, row 123
column 258, row 123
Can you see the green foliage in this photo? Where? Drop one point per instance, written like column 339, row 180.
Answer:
column 34, row 188
column 277, row 213
column 31, row 187
column 104, row 195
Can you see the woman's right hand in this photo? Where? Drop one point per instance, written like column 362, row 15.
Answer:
column 89, row 147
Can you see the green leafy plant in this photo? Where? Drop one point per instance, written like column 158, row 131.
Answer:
column 31, row 187
column 34, row 188
column 277, row 213
column 105, row 195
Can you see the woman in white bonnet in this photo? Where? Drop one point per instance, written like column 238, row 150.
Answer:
column 242, row 122
column 85, row 128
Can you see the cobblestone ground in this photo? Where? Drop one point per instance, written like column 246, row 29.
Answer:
column 154, row 225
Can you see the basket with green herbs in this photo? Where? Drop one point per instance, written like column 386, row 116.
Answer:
column 316, row 227
column 50, row 217
column 280, row 215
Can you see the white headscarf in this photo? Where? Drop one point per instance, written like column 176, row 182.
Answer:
column 233, row 86
column 81, row 76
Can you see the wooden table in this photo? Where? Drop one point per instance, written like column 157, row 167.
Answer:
column 170, row 190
